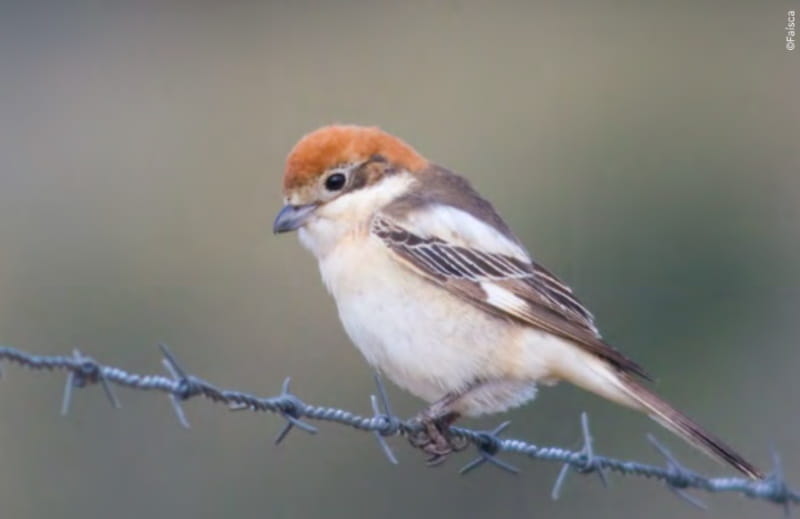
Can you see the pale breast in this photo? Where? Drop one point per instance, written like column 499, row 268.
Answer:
column 423, row 338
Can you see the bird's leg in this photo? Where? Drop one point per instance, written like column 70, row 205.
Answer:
column 434, row 438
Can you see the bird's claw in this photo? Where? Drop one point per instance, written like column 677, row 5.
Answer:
column 435, row 439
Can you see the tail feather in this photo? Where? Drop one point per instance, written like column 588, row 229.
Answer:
column 681, row 425
column 598, row 376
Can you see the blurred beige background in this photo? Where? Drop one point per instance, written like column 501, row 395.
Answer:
column 647, row 154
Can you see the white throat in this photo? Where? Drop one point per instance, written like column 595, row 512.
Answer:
column 350, row 214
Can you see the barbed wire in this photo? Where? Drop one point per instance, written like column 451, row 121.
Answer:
column 83, row 371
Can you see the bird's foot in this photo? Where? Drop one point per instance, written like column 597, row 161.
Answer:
column 435, row 438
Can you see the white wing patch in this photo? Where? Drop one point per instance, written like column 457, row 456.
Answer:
column 458, row 227
column 500, row 297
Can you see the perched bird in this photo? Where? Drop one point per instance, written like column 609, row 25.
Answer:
column 440, row 296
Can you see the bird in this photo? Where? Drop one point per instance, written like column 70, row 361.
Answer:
column 441, row 297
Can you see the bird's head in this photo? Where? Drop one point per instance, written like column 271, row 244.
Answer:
column 329, row 170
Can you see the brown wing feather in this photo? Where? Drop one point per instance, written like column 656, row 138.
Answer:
column 548, row 303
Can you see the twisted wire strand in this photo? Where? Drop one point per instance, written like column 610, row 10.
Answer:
column 180, row 386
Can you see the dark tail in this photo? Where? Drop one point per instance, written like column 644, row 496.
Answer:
column 663, row 413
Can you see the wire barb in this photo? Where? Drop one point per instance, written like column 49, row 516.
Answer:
column 379, row 433
column 66, row 399
column 290, row 411
column 386, row 417
column 181, row 392
column 681, row 476
column 181, row 386
column 87, row 373
column 109, row 391
column 780, row 491
column 588, row 462
column 487, row 450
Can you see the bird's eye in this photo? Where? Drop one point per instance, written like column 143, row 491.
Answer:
column 335, row 182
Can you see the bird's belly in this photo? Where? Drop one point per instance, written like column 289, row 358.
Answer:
column 423, row 349
column 423, row 338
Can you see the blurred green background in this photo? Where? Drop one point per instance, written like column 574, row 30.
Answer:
column 647, row 154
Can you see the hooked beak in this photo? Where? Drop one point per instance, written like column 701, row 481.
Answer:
column 292, row 217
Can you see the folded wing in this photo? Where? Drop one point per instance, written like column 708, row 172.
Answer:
column 508, row 285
